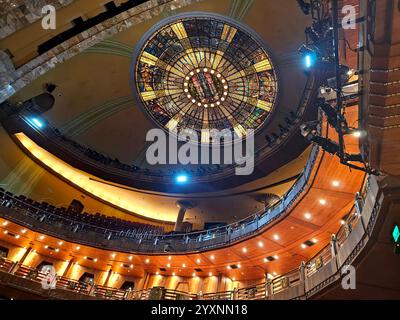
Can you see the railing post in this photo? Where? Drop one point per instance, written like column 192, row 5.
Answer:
column 302, row 271
column 334, row 245
column 234, row 295
column 92, row 290
column 268, row 288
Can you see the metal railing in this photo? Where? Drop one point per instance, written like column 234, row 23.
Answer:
column 264, row 290
column 61, row 226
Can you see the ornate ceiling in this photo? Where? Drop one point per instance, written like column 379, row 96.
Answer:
column 202, row 72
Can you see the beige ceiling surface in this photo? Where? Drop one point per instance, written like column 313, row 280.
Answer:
column 93, row 97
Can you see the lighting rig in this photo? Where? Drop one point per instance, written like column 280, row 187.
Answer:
column 322, row 49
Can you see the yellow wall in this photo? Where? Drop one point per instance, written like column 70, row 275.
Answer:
column 21, row 175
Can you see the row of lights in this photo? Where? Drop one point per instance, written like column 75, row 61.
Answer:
column 212, row 105
column 113, row 255
column 198, row 261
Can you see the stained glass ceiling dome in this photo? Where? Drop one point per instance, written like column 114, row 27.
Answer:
column 203, row 71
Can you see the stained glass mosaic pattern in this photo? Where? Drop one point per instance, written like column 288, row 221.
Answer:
column 205, row 73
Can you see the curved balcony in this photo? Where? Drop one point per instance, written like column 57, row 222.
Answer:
column 108, row 169
column 312, row 276
column 61, row 226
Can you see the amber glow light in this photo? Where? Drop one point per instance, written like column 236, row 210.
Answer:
column 121, row 198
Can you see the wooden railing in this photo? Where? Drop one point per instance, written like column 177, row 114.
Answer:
column 257, row 292
column 223, row 295
column 6, row 265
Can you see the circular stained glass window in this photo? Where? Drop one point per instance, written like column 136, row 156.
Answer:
column 204, row 72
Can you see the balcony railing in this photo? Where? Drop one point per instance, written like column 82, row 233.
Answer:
column 301, row 282
column 63, row 227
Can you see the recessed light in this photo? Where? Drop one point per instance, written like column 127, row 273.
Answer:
column 113, row 255
column 303, row 246
column 276, row 237
column 168, row 265
column 157, row 273
column 336, row 183
column 198, row 260
column 314, row 240
column 212, row 257
column 260, row 244
column 169, row 258
column 357, row 134
column 322, row 201
column 78, row 248
column 244, row 250
column 41, row 237
column 276, row 257
column 194, row 274
column 130, row 258
column 183, row 265
column 307, row 216
column 173, row 274
column 17, row 236
column 147, row 260
column 23, row 231
column 5, row 223
column 95, row 259
column 210, row 274
column 60, row 243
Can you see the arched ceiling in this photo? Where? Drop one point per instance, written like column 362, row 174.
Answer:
column 93, row 98
column 95, row 106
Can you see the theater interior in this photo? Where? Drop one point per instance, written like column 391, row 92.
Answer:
column 309, row 90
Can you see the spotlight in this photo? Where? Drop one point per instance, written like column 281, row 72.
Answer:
column 309, row 56
column 37, row 123
column 182, row 178
column 309, row 60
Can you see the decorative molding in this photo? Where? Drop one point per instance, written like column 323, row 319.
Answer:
column 15, row 81
column 17, row 14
